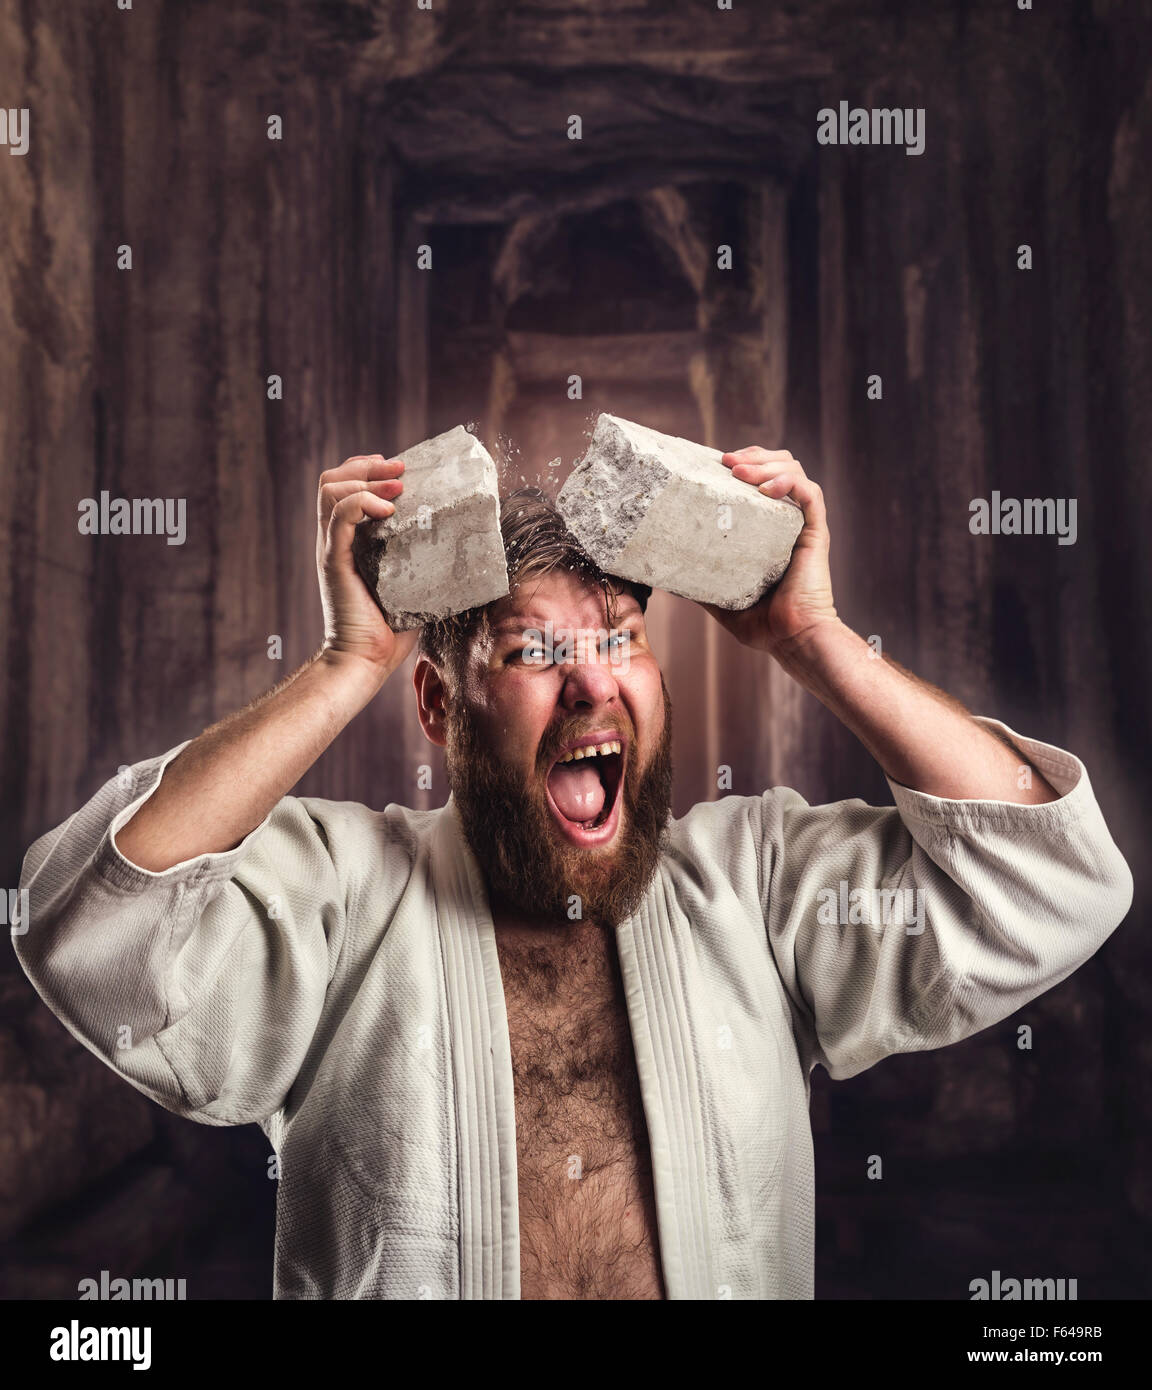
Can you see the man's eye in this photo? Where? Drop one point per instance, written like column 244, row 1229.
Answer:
column 531, row 655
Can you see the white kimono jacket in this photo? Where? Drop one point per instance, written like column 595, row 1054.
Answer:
column 335, row 979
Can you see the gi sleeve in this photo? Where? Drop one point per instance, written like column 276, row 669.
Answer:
column 202, row 985
column 904, row 929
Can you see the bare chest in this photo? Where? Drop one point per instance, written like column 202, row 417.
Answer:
column 587, row 1206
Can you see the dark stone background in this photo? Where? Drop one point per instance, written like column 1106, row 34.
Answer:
column 448, row 128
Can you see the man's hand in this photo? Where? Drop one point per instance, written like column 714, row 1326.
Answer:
column 802, row 600
column 363, row 488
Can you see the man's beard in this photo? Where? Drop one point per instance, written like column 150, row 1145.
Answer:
column 514, row 835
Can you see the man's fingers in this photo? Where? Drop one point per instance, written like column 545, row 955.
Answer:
column 331, row 493
column 753, row 453
column 363, row 466
column 779, row 484
column 754, row 465
column 382, row 487
column 348, row 513
column 777, row 474
column 352, row 475
column 808, row 494
column 366, row 467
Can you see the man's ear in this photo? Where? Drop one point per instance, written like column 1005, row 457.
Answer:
column 430, row 695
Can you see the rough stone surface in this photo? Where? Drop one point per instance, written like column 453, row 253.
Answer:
column 648, row 507
column 440, row 552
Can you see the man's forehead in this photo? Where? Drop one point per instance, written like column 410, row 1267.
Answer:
column 530, row 605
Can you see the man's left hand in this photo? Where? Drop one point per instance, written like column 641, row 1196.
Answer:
column 802, row 600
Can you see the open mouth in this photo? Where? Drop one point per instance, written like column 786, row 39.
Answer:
column 584, row 788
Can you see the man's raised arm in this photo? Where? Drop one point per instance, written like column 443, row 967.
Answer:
column 897, row 929
column 919, row 736
column 224, row 783
column 185, row 923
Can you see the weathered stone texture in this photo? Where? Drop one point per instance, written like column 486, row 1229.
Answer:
column 666, row 512
column 440, row 552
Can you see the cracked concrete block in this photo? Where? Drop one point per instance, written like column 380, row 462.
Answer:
column 441, row 551
column 663, row 511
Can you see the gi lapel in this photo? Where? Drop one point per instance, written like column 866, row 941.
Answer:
column 481, row 1068
column 657, row 962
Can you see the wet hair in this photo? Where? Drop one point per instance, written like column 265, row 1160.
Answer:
column 536, row 543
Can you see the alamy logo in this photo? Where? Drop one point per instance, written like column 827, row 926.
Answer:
column 1034, row 516
column 76, row 1343
column 14, row 129
column 146, row 1290
column 863, row 125
column 140, row 516
column 1009, row 1290
column 871, row 907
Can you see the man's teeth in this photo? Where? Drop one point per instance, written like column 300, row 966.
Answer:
column 593, row 750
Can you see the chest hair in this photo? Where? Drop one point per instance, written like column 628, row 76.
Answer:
column 585, row 1186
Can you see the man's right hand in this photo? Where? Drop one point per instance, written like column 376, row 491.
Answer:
column 362, row 488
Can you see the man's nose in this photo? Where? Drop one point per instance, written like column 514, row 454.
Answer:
column 588, row 682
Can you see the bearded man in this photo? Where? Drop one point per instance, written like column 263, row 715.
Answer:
column 548, row 1041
